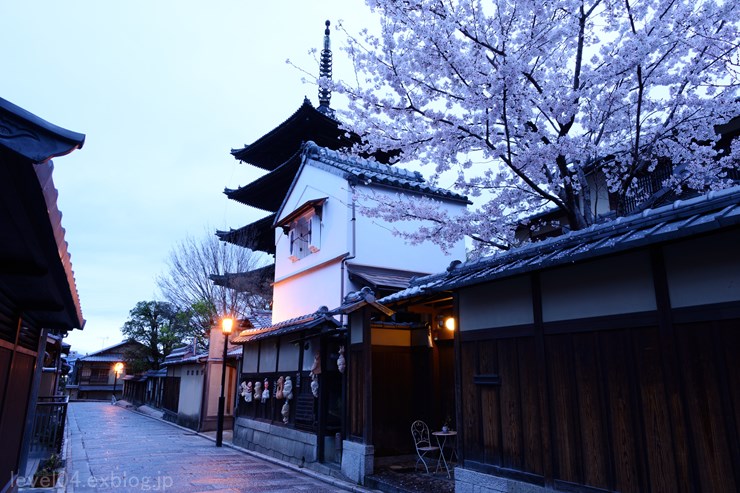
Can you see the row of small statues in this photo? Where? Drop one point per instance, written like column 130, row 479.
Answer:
column 261, row 392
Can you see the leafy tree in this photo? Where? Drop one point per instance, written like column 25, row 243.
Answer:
column 188, row 282
column 531, row 105
column 160, row 327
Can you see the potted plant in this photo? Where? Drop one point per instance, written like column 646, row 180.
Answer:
column 48, row 471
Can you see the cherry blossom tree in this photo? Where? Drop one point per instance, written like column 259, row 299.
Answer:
column 533, row 105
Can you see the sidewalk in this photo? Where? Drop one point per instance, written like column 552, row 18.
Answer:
column 114, row 449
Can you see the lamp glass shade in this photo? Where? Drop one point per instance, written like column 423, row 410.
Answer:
column 226, row 325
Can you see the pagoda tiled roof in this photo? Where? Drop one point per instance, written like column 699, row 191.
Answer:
column 307, row 123
column 267, row 192
column 257, row 236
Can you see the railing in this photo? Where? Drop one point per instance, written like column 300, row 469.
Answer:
column 48, row 424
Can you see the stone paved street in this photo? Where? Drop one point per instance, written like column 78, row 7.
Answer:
column 113, row 449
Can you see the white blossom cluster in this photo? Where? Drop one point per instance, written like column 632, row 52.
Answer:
column 524, row 100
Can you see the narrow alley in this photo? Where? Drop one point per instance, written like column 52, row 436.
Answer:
column 114, row 449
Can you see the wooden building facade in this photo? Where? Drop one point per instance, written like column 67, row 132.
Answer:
column 602, row 360
column 37, row 287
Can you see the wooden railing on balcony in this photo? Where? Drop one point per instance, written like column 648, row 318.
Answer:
column 48, row 424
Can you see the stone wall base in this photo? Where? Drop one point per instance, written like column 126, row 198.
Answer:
column 467, row 481
column 286, row 444
column 357, row 460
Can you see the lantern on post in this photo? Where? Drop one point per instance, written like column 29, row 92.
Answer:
column 226, row 325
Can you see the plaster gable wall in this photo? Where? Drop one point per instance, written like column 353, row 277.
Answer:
column 378, row 246
column 314, row 183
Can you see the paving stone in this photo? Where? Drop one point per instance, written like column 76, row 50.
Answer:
column 114, row 449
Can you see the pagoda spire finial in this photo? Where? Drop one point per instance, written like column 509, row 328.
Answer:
column 325, row 67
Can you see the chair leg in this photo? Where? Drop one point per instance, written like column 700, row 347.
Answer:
column 421, row 459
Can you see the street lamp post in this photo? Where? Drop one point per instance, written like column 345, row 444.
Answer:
column 226, row 325
column 116, row 371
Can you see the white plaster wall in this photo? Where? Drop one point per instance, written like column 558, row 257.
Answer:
column 314, row 183
column 379, row 247
column 305, row 293
column 497, row 304
column 303, row 286
column 615, row 285
column 704, row 270
column 191, row 390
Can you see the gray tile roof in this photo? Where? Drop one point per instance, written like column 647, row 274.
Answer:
column 680, row 219
column 371, row 172
column 102, row 358
column 309, row 321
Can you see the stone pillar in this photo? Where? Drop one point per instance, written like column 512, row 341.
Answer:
column 357, row 460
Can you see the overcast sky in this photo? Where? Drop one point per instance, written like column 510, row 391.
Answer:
column 163, row 90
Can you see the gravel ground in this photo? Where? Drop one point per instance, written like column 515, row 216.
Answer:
column 402, row 478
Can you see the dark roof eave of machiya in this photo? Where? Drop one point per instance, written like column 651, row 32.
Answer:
column 34, row 138
column 307, row 123
column 318, row 319
column 703, row 214
column 35, row 267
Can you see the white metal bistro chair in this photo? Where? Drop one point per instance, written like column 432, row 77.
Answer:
column 424, row 447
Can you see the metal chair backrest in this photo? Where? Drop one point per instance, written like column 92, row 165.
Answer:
column 420, row 432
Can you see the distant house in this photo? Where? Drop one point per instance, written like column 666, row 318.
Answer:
column 601, row 360
column 38, row 296
column 146, row 388
column 192, row 384
column 96, row 376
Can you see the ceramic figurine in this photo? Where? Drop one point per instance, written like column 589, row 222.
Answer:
column 285, row 411
column 248, row 392
column 266, row 392
column 257, row 391
column 315, row 385
column 341, row 362
column 316, row 368
column 279, row 394
column 288, row 388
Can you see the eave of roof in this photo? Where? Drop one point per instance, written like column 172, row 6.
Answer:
column 35, row 267
column 710, row 212
column 32, row 137
column 276, row 146
column 372, row 173
column 257, row 236
column 105, row 358
column 267, row 192
column 383, row 278
column 305, row 322
column 243, row 281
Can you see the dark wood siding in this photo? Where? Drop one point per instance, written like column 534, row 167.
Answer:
column 356, row 393
column 633, row 409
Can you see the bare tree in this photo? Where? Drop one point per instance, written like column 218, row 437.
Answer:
column 192, row 266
